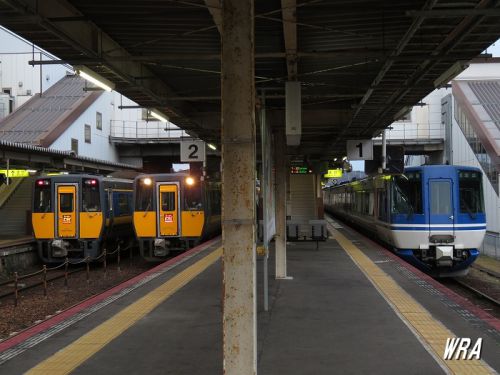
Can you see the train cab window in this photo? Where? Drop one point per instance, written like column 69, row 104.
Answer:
column 66, row 202
column 168, row 201
column 407, row 194
column 470, row 192
column 215, row 201
column 42, row 199
column 91, row 199
column 192, row 198
column 144, row 198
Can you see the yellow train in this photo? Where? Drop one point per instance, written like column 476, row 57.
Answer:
column 77, row 216
column 174, row 211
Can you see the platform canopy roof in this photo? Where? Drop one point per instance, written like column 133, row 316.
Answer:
column 361, row 63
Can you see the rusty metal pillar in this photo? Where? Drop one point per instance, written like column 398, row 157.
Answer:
column 238, row 187
column 280, row 206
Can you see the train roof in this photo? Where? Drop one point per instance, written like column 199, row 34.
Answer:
column 412, row 169
column 164, row 176
column 78, row 177
column 441, row 166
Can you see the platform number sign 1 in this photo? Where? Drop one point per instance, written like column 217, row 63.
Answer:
column 360, row 149
column 192, row 151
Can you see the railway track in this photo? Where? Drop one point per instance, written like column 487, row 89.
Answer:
column 477, row 292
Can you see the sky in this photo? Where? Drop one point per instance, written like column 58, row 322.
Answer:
column 494, row 49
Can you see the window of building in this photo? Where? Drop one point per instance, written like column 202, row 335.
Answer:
column 74, row 145
column 88, row 134
column 98, row 120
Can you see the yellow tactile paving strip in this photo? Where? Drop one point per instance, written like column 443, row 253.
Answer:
column 70, row 357
column 431, row 331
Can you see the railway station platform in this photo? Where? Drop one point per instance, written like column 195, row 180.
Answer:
column 350, row 307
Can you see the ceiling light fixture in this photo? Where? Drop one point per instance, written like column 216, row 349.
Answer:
column 158, row 115
column 451, row 73
column 94, row 78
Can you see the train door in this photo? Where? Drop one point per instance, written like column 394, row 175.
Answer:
column 168, row 209
column 441, row 206
column 66, row 210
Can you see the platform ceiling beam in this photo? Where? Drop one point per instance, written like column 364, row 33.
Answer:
column 289, row 14
column 238, row 188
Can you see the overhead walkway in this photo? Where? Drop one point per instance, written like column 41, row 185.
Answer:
column 351, row 308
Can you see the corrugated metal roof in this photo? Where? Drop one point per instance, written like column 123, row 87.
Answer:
column 27, row 148
column 488, row 93
column 38, row 117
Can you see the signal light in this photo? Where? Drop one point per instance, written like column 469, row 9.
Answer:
column 190, row 181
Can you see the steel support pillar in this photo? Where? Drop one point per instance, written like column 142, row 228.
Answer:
column 280, row 203
column 238, row 187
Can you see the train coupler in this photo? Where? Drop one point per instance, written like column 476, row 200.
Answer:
column 160, row 247
column 59, row 248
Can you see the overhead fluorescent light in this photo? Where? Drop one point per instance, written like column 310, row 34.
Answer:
column 94, row 78
column 451, row 73
column 158, row 115
column 212, row 146
column 403, row 111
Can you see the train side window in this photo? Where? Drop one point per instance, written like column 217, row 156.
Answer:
column 42, row 199
column 382, row 205
column 168, row 201
column 91, row 198
column 470, row 192
column 66, row 202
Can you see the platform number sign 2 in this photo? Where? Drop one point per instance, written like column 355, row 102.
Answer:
column 360, row 149
column 192, row 151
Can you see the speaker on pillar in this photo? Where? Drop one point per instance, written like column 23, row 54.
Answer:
column 293, row 116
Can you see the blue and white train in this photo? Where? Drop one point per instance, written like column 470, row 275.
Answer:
column 432, row 216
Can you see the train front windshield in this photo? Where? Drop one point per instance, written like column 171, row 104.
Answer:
column 407, row 194
column 42, row 198
column 471, row 192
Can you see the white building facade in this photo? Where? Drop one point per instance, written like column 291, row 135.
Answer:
column 89, row 134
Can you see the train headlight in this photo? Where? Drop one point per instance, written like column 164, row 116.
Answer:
column 190, row 181
column 147, row 181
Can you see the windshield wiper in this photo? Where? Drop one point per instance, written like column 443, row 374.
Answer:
column 468, row 209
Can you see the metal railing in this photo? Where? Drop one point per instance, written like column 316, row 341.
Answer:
column 150, row 130
column 43, row 273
